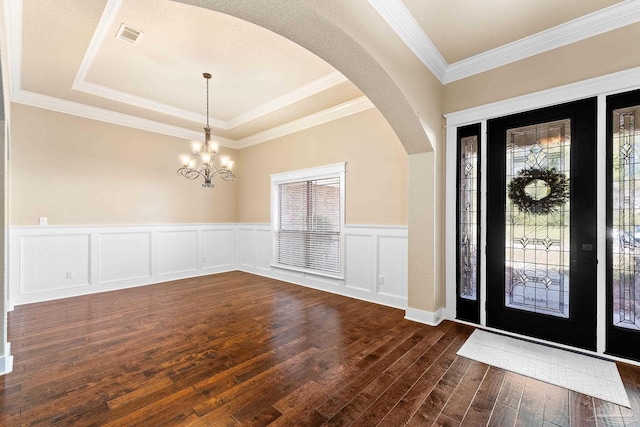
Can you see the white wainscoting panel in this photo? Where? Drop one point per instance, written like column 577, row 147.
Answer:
column 247, row 248
column 177, row 251
column 124, row 256
column 358, row 271
column 53, row 263
column 104, row 258
column 393, row 252
column 371, row 251
column 263, row 249
column 218, row 248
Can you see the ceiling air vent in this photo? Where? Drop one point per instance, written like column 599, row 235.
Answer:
column 128, row 34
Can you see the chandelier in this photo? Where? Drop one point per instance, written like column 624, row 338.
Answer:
column 202, row 162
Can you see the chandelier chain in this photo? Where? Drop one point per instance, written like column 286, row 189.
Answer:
column 207, row 101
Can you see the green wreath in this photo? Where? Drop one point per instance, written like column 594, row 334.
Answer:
column 557, row 192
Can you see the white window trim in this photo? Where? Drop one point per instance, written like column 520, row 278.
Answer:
column 327, row 171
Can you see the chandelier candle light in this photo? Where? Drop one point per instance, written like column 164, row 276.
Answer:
column 205, row 154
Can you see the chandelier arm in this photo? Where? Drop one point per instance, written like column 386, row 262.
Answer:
column 189, row 173
column 223, row 173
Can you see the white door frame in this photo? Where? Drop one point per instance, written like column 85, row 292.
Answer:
column 598, row 87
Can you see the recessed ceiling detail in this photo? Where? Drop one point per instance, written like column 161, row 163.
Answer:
column 264, row 78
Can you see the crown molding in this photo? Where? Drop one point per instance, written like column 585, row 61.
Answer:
column 400, row 20
column 95, row 113
column 81, row 110
column 310, row 89
column 138, row 101
column 405, row 26
column 303, row 92
column 599, row 22
column 339, row 111
column 13, row 25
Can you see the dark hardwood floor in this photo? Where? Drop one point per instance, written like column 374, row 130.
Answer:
column 237, row 349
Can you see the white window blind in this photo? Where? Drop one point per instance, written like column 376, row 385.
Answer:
column 308, row 224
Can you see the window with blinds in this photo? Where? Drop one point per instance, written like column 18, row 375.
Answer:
column 308, row 218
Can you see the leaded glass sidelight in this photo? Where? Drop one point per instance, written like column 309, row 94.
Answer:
column 626, row 218
column 468, row 218
column 537, row 238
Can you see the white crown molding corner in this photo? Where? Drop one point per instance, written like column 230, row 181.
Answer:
column 108, row 15
column 599, row 22
column 405, row 26
column 400, row 20
column 303, row 92
column 339, row 111
column 13, row 25
column 95, row 113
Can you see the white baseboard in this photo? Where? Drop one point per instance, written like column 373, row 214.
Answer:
column 6, row 361
column 333, row 286
column 426, row 317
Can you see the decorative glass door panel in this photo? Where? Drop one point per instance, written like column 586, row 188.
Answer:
column 626, row 218
column 468, row 228
column 623, row 223
column 468, row 214
column 537, row 222
column 541, row 223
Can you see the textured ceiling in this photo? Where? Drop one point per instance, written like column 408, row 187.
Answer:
column 463, row 28
column 70, row 58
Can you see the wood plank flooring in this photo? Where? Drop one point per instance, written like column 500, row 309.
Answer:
column 237, row 349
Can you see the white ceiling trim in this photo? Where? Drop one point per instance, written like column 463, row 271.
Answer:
column 138, row 101
column 297, row 95
column 82, row 110
column 400, row 20
column 405, row 26
column 108, row 116
column 599, row 22
column 108, row 15
column 337, row 112
column 13, row 25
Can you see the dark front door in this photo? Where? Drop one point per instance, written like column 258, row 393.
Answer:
column 541, row 223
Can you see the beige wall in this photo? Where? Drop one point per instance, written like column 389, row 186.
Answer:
column 77, row 171
column 607, row 53
column 376, row 191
